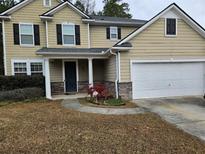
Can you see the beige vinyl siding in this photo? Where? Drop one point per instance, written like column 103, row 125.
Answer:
column 70, row 16
column 56, row 70
column 152, row 44
column 27, row 14
column 99, row 36
column 83, row 69
column 110, row 69
column 98, row 70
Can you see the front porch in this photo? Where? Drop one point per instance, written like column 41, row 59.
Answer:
column 70, row 78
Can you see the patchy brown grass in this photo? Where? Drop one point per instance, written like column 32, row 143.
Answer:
column 49, row 128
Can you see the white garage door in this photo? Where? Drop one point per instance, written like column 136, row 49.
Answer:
column 152, row 80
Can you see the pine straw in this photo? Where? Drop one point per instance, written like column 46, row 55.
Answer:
column 49, row 128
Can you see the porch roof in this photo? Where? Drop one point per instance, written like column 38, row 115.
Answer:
column 73, row 51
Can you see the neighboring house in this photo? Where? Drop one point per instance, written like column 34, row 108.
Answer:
column 133, row 58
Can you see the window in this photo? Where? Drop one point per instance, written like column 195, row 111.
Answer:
column 113, row 33
column 20, row 68
column 26, row 34
column 68, row 32
column 47, row 3
column 171, row 27
column 27, row 67
column 36, row 68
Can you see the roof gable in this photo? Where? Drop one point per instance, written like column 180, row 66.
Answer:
column 52, row 11
column 190, row 21
column 18, row 6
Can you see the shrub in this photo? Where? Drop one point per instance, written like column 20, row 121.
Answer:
column 21, row 94
column 19, row 82
column 99, row 92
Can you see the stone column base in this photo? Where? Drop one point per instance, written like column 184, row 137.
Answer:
column 57, row 88
column 125, row 90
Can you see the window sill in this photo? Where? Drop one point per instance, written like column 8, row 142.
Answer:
column 114, row 40
column 171, row 36
column 67, row 45
column 27, row 46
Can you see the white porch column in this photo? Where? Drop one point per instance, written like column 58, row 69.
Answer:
column 47, row 78
column 90, row 69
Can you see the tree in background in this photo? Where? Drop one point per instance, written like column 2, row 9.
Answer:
column 5, row 4
column 115, row 8
column 86, row 6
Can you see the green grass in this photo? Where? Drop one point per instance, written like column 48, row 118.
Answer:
column 115, row 102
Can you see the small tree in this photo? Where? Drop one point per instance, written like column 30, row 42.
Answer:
column 86, row 6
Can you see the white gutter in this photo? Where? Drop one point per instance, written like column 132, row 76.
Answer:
column 5, row 17
column 117, row 74
column 46, row 17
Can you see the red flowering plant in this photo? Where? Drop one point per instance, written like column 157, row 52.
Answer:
column 98, row 92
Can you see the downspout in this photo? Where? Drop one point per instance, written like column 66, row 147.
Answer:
column 117, row 74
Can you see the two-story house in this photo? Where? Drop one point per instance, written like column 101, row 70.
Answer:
column 133, row 58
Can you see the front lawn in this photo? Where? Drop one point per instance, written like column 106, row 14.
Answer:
column 49, row 128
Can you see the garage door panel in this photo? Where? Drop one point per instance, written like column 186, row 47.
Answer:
column 167, row 79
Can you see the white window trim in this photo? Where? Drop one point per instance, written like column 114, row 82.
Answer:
column 72, row 24
column 44, row 3
column 165, row 30
column 112, row 27
column 28, row 64
column 27, row 45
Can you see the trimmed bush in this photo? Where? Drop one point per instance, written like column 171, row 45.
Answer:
column 19, row 82
column 21, row 94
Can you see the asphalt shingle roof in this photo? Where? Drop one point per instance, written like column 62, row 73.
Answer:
column 72, row 50
column 118, row 19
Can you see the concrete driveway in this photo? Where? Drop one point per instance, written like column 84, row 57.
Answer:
column 187, row 113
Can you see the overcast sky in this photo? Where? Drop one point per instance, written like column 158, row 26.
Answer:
column 146, row 9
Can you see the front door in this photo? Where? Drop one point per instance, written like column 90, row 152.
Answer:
column 70, row 77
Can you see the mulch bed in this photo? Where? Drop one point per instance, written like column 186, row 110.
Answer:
column 128, row 104
column 49, row 128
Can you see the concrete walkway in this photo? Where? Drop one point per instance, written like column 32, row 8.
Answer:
column 75, row 105
column 187, row 113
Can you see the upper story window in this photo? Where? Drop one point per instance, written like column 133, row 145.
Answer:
column 68, row 34
column 171, row 27
column 47, row 3
column 26, row 34
column 113, row 33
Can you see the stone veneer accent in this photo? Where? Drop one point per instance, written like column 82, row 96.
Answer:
column 110, row 86
column 57, row 88
column 125, row 90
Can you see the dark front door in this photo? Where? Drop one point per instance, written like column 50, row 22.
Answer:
column 70, row 77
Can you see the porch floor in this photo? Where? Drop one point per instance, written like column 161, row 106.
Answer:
column 74, row 96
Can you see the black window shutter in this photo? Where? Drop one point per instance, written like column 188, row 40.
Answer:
column 174, row 26
column 36, row 34
column 77, row 34
column 16, row 34
column 119, row 33
column 108, row 32
column 59, row 34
